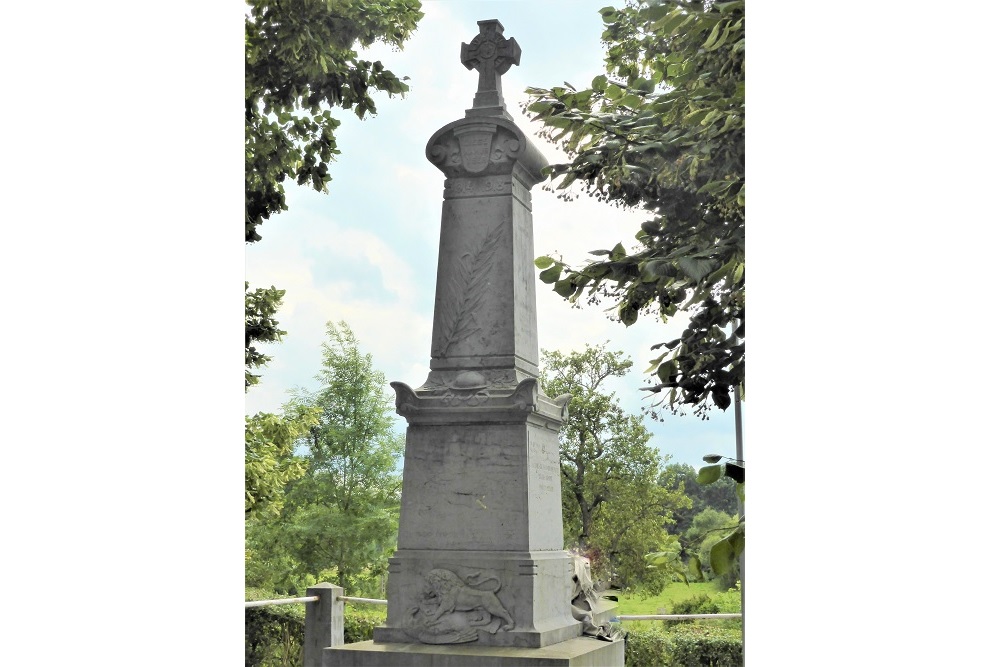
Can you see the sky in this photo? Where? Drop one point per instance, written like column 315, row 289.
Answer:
column 366, row 253
column 871, row 237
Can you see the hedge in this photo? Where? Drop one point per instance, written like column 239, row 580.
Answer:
column 274, row 636
column 684, row 646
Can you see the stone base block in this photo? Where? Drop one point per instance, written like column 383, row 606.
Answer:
column 578, row 652
column 522, row 599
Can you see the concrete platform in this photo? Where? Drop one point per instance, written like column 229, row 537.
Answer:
column 577, row 652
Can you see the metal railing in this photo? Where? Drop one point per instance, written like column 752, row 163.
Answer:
column 672, row 617
column 325, row 618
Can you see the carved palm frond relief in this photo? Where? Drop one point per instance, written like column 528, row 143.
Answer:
column 467, row 289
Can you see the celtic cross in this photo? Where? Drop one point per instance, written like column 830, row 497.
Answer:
column 491, row 55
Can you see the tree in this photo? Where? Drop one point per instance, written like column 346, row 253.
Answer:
column 341, row 517
column 269, row 463
column 707, row 528
column 720, row 496
column 301, row 62
column 724, row 551
column 663, row 130
column 613, row 510
column 260, row 327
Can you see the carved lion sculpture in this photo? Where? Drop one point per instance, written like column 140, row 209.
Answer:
column 455, row 595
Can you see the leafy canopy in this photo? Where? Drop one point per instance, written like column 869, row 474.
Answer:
column 301, row 63
column 269, row 461
column 260, row 327
column 613, row 509
column 339, row 519
column 663, row 130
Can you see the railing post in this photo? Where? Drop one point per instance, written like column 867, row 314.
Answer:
column 324, row 623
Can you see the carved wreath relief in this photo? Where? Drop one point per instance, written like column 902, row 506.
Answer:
column 453, row 611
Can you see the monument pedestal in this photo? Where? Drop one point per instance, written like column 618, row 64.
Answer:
column 576, row 652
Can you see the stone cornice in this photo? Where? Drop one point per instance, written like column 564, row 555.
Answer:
column 479, row 403
column 485, row 146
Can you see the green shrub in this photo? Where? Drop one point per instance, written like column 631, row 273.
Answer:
column 699, row 604
column 273, row 634
column 693, row 646
column 648, row 647
column 359, row 623
column 685, row 646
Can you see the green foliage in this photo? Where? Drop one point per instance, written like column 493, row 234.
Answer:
column 273, row 634
column 261, row 327
column 684, row 646
column 301, row 62
column 339, row 520
column 719, row 496
column 702, row 541
column 647, row 647
column 663, row 130
column 725, row 553
column 670, row 561
column 613, row 510
column 360, row 623
column 269, row 463
column 636, row 603
column 696, row 645
column 707, row 529
column 699, row 604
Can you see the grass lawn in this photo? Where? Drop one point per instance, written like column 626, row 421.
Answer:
column 675, row 592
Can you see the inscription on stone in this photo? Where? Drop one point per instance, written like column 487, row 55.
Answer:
column 455, row 188
column 543, row 464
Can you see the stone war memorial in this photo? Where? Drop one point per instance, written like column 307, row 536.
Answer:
column 480, row 577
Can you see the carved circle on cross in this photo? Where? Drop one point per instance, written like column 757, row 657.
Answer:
column 487, row 50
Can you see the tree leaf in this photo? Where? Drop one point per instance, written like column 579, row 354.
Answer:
column 722, row 557
column 564, row 287
column 695, row 268
column 544, row 262
column 551, row 274
column 721, row 398
column 709, row 474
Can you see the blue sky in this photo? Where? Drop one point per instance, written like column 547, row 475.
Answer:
column 366, row 253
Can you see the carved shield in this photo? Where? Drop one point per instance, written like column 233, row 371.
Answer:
column 475, row 150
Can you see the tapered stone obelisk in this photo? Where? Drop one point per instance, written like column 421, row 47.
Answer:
column 480, row 573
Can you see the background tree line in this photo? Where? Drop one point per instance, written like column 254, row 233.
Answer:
column 328, row 507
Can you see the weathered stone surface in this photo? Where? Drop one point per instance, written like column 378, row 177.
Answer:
column 491, row 55
column 577, row 652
